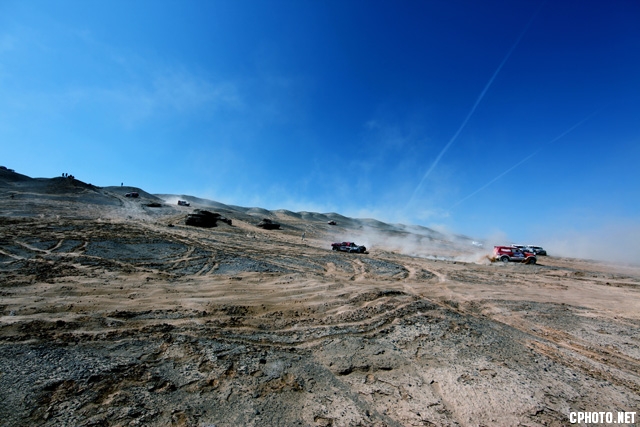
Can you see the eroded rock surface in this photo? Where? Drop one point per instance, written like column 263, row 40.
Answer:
column 114, row 320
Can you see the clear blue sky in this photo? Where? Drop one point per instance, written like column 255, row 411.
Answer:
column 513, row 119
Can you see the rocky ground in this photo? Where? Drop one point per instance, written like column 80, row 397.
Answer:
column 115, row 313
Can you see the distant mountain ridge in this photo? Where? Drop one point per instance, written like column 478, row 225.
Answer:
column 73, row 190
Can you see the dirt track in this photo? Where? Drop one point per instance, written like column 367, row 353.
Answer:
column 109, row 316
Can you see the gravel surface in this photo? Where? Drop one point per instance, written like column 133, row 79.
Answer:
column 108, row 317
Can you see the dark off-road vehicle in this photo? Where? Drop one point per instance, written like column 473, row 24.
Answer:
column 206, row 219
column 267, row 224
column 348, row 247
column 538, row 250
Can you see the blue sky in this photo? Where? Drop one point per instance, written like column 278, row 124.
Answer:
column 518, row 120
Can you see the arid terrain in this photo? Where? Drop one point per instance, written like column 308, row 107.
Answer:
column 116, row 313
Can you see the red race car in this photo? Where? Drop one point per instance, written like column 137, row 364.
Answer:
column 510, row 253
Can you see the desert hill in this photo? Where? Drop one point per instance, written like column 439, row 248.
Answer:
column 114, row 312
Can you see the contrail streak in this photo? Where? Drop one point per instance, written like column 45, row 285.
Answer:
column 473, row 109
column 495, row 179
column 525, row 159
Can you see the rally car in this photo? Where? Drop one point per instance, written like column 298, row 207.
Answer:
column 348, row 247
column 538, row 250
column 511, row 253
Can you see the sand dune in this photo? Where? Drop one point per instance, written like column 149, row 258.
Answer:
column 116, row 313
